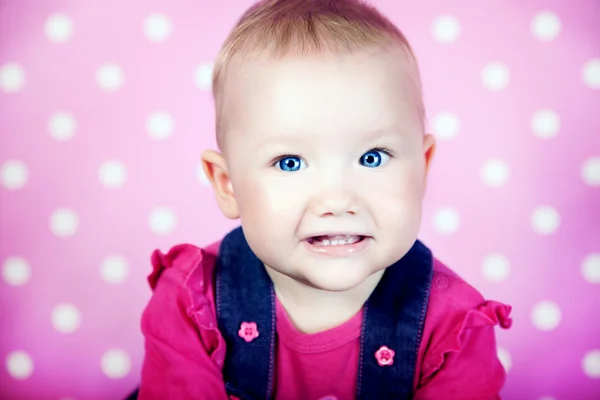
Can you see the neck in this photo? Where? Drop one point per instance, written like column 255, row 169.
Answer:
column 315, row 310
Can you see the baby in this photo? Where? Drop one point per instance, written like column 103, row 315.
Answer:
column 324, row 292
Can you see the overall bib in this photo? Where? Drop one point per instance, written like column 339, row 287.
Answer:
column 393, row 316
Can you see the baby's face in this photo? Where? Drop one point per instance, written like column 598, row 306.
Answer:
column 328, row 164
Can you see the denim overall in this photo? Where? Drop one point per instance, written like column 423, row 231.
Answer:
column 394, row 316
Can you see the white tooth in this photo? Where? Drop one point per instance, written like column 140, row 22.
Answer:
column 337, row 240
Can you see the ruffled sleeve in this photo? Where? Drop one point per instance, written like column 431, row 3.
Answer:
column 459, row 355
column 182, row 256
column 184, row 351
column 489, row 314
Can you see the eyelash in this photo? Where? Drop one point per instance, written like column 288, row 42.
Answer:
column 382, row 149
column 281, row 157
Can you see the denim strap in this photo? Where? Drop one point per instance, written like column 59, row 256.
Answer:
column 394, row 316
column 244, row 293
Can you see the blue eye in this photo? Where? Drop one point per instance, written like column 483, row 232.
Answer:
column 374, row 158
column 289, row 163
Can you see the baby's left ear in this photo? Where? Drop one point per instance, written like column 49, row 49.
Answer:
column 429, row 150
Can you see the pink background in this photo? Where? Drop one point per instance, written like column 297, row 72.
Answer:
column 105, row 108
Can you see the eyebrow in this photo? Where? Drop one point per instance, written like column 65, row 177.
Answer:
column 383, row 132
column 365, row 135
column 279, row 139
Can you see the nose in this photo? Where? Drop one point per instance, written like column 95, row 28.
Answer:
column 333, row 201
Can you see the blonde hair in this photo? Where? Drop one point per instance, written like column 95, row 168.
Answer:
column 279, row 28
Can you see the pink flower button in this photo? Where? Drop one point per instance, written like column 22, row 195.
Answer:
column 385, row 356
column 248, row 331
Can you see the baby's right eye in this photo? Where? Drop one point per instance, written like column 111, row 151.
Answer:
column 289, row 163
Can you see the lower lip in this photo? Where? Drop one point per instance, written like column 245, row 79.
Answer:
column 339, row 250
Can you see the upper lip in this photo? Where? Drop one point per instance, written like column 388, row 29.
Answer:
column 338, row 233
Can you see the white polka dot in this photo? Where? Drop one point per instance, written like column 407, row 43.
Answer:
column 505, row 358
column 446, row 221
column 201, row 175
column 590, row 171
column 66, row 318
column 162, row 221
column 160, row 125
column 546, row 315
column 545, row 124
column 203, row 76
column 158, row 27
column 114, row 270
column 545, row 220
column 446, row 125
column 446, row 29
column 12, row 77
column 591, row 73
column 591, row 364
column 110, row 77
column 495, row 77
column 590, row 268
column 64, row 223
column 545, row 26
column 19, row 365
column 59, row 28
column 62, row 126
column 495, row 267
column 112, row 174
column 495, row 173
column 16, row 271
column 115, row 364
column 14, row 174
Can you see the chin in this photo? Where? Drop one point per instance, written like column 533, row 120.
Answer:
column 340, row 282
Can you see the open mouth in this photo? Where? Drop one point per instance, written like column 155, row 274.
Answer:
column 335, row 240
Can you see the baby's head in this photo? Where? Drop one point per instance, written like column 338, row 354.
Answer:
column 320, row 123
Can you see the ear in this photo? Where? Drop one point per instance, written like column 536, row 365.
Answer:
column 215, row 169
column 429, row 146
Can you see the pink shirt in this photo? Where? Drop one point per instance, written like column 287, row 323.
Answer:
column 185, row 351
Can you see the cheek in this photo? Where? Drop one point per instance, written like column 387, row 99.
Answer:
column 274, row 199
column 397, row 197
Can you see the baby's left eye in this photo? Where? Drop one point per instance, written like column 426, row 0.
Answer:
column 374, row 158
